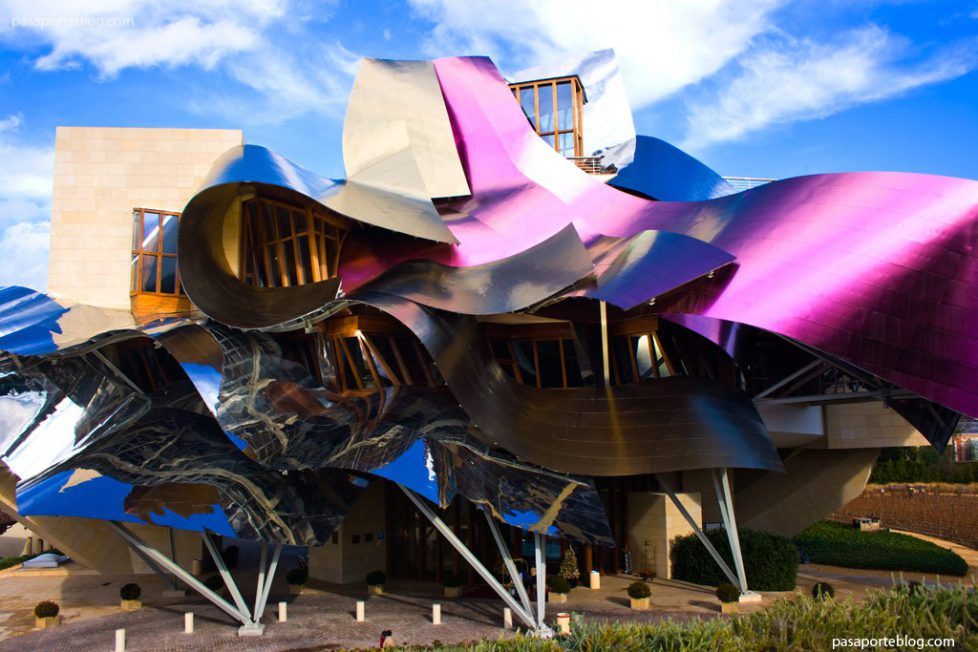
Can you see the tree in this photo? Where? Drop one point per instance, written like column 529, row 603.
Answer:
column 568, row 567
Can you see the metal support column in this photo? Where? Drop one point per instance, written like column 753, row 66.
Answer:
column 605, row 349
column 725, row 500
column 266, row 585
column 468, row 556
column 541, row 563
column 252, row 627
column 162, row 560
column 508, row 562
column 699, row 532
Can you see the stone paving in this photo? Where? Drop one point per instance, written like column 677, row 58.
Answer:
column 323, row 617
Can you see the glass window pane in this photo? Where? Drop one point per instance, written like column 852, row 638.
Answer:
column 572, row 365
column 151, row 231
column 300, row 221
column 565, row 106
column 500, row 349
column 524, row 358
column 546, row 99
column 643, row 356
column 304, row 259
column 170, row 234
column 284, row 225
column 622, row 357
column 548, row 352
column 327, row 259
column 275, row 272
column 149, row 273
column 566, row 144
column 385, row 355
column 415, row 365
column 133, row 271
column 136, row 231
column 529, row 105
column 168, row 275
column 290, row 267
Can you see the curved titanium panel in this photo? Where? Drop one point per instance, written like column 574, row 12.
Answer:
column 397, row 124
column 670, row 424
column 664, row 172
column 277, row 414
column 505, row 285
column 631, row 271
column 876, row 268
column 214, row 288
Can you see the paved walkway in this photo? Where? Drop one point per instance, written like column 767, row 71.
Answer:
column 323, row 618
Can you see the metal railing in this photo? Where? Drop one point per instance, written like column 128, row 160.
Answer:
column 592, row 164
column 746, row 183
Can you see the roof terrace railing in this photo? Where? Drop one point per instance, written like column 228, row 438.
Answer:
column 746, row 183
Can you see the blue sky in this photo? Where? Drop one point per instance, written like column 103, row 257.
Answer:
column 769, row 88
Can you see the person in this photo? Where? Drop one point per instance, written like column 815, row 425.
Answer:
column 386, row 639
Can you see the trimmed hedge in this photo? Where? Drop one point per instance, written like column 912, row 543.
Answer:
column 639, row 590
column 297, row 576
column 770, row 560
column 376, row 578
column 46, row 609
column 728, row 593
column 558, row 584
column 130, row 591
column 837, row 544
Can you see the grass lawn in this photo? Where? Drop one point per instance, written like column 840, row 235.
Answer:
column 837, row 544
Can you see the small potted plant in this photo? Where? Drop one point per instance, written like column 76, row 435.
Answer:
column 46, row 614
column 639, row 593
column 130, row 597
column 559, row 588
column 729, row 595
column 453, row 585
column 375, row 582
column 297, row 578
column 822, row 590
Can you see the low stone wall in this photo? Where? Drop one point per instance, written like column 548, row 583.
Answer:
column 945, row 511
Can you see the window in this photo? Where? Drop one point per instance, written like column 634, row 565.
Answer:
column 154, row 253
column 285, row 246
column 369, row 351
column 536, row 355
column 553, row 107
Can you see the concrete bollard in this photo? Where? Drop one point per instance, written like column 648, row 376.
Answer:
column 196, row 568
column 361, row 617
column 508, row 618
column 120, row 640
column 188, row 622
column 283, row 611
column 595, row 580
column 436, row 614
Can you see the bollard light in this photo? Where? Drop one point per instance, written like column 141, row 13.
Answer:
column 436, row 614
column 120, row 640
column 188, row 622
column 361, row 617
column 283, row 611
column 508, row 618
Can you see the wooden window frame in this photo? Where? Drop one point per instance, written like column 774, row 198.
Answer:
column 260, row 231
column 577, row 109
column 138, row 253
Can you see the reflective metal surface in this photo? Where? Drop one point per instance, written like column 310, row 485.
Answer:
column 664, row 172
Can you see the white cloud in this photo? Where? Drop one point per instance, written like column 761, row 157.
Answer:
column 24, row 254
column 25, row 200
column 661, row 46
column 787, row 79
column 259, row 43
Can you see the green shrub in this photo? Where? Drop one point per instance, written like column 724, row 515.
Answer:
column 558, row 584
column 214, row 582
column 297, row 576
column 376, row 578
column 46, row 609
column 568, row 567
column 130, row 591
column 451, row 581
column 639, row 590
column 770, row 560
column 837, row 544
column 822, row 590
column 727, row 592
column 801, row 623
